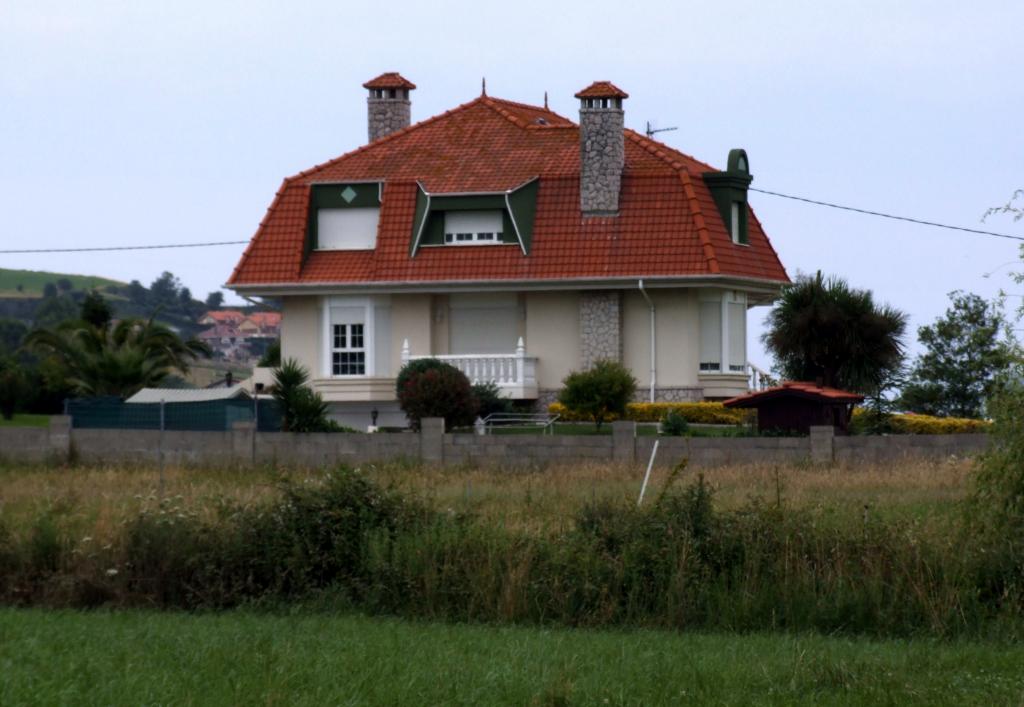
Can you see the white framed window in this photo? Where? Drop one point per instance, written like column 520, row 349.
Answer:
column 348, row 350
column 723, row 332
column 347, row 229
column 735, row 222
column 473, row 227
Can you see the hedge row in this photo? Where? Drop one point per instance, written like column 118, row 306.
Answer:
column 699, row 413
column 911, row 424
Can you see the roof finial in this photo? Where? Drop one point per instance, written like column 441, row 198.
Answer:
column 483, row 86
column 545, row 100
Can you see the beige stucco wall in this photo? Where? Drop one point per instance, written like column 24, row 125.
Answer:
column 300, row 331
column 553, row 335
column 410, row 319
column 677, row 330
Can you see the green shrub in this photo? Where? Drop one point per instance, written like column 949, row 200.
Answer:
column 674, row 424
column 13, row 386
column 599, row 393
column 489, row 399
column 302, row 409
column 431, row 388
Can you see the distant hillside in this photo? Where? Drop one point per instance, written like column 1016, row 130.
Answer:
column 32, row 282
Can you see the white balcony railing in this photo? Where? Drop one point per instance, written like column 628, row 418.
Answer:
column 515, row 374
column 760, row 379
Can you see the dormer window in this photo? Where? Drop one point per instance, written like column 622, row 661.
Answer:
column 472, row 227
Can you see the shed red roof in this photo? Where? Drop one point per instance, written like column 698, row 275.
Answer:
column 668, row 224
column 391, row 79
column 602, row 89
column 795, row 389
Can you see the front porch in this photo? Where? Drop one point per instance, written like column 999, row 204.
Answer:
column 514, row 374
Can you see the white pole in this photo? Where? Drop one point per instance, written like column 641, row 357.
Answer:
column 647, row 476
column 161, row 450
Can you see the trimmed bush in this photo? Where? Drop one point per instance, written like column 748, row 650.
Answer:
column 911, row 424
column 674, row 424
column 693, row 413
column 431, row 388
column 600, row 393
column 489, row 399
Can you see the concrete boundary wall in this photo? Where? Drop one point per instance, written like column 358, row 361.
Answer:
column 432, row 445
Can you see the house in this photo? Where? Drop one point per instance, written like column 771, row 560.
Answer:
column 228, row 317
column 517, row 245
column 261, row 324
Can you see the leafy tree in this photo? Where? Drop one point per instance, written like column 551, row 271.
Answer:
column 430, row 388
column 19, row 287
column 96, row 310
column 215, row 300
column 302, row 409
column 164, row 290
column 824, row 330
column 117, row 359
column 49, row 290
column 272, row 356
column 12, row 333
column 52, row 311
column 137, row 293
column 185, row 297
column 965, row 350
column 64, row 285
column 600, row 392
column 13, row 387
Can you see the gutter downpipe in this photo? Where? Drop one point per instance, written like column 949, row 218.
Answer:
column 654, row 340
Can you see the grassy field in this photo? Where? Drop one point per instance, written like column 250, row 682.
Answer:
column 94, row 501
column 26, row 420
column 129, row 658
column 33, row 281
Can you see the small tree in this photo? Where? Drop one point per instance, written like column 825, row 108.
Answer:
column 215, row 300
column 489, row 399
column 49, row 290
column 13, row 387
column 272, row 356
column 96, row 310
column 599, row 392
column 302, row 408
column 965, row 350
column 431, row 388
column 64, row 285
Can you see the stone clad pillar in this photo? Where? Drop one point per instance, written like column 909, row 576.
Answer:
column 600, row 327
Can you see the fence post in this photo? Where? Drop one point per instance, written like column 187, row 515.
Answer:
column 59, row 439
column 624, row 441
column 243, row 441
column 160, row 450
column 822, row 444
column 432, row 439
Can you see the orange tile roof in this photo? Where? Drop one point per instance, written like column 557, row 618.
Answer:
column 795, row 389
column 668, row 224
column 391, row 79
column 602, row 89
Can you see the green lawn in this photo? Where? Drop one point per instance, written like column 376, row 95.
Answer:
column 26, row 420
column 33, row 281
column 131, row 658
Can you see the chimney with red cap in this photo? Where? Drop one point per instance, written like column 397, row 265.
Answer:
column 388, row 106
column 602, row 148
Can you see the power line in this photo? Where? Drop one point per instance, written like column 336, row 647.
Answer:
column 124, row 247
column 868, row 212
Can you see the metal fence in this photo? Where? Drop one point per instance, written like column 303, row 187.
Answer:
column 213, row 415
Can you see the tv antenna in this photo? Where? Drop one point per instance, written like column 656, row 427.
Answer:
column 652, row 131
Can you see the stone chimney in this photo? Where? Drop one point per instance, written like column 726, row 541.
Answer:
column 602, row 148
column 388, row 105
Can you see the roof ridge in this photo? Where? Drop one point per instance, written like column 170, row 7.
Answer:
column 503, row 112
column 520, row 104
column 663, row 151
column 389, row 137
column 698, row 220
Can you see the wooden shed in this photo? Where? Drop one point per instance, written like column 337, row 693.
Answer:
column 796, row 407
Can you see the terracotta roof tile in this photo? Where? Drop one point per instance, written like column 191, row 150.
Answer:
column 795, row 389
column 602, row 89
column 391, row 79
column 668, row 224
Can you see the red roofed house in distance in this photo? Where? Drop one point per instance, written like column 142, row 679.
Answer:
column 516, row 245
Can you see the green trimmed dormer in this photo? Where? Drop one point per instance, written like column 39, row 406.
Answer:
column 500, row 218
column 729, row 190
column 343, row 216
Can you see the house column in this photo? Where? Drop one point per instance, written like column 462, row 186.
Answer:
column 600, row 327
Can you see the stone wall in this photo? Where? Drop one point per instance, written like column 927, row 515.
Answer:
column 602, row 157
column 386, row 115
column 600, row 327
column 243, row 446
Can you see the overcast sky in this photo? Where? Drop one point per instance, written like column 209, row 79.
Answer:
column 164, row 122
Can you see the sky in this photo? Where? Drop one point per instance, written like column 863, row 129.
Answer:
column 133, row 123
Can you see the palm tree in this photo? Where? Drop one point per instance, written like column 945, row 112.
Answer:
column 117, row 358
column 824, row 330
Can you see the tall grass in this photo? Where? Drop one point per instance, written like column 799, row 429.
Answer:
column 682, row 561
